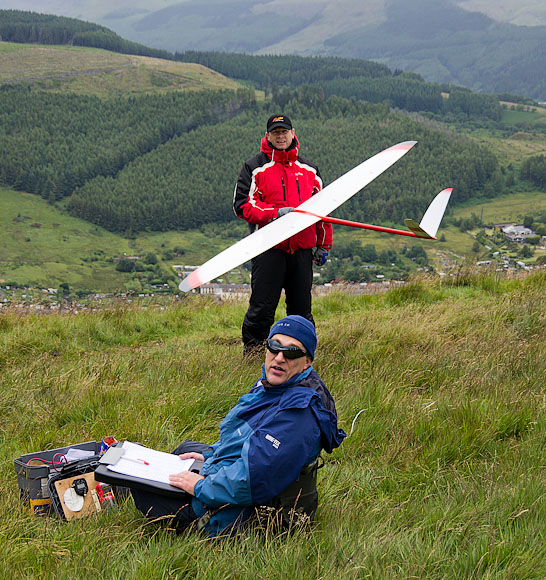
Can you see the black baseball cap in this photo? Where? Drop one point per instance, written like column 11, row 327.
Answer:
column 278, row 121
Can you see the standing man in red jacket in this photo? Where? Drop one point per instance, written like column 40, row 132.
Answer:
column 270, row 185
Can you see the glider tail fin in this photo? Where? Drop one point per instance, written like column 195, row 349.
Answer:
column 433, row 216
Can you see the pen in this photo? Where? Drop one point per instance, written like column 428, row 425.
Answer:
column 136, row 460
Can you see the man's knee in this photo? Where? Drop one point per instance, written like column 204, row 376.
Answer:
column 189, row 446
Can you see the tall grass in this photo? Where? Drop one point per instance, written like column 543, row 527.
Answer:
column 442, row 385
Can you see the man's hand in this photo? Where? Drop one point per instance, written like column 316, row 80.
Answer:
column 185, row 480
column 320, row 256
column 283, row 211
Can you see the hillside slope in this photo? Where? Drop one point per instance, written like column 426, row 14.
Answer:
column 338, row 14
column 452, row 45
column 100, row 72
column 519, row 12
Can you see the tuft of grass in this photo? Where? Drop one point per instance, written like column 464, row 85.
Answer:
column 416, row 291
column 487, row 279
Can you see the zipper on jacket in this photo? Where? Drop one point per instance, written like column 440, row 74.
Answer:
column 283, row 188
column 298, row 186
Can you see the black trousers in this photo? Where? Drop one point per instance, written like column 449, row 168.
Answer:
column 173, row 511
column 271, row 272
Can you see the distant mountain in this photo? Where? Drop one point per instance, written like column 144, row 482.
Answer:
column 488, row 45
column 444, row 43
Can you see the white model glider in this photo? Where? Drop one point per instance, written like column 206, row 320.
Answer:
column 308, row 213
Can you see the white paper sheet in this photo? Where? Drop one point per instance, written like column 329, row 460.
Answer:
column 159, row 464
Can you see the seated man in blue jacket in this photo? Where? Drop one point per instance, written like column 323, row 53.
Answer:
column 273, row 432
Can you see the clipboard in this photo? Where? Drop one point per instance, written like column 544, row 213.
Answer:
column 106, row 475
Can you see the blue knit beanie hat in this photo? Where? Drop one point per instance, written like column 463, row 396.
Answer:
column 299, row 328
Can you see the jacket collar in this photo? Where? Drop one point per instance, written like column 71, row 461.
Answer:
column 292, row 381
column 281, row 156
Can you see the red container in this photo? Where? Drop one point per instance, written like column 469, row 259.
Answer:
column 106, row 496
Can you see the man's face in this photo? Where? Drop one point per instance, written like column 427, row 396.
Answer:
column 281, row 138
column 278, row 368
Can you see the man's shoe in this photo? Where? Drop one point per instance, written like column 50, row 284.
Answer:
column 252, row 353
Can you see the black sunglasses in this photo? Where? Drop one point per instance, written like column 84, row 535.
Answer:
column 289, row 352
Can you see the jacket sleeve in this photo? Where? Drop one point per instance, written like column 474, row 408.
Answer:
column 271, row 460
column 247, row 200
column 324, row 235
column 229, row 485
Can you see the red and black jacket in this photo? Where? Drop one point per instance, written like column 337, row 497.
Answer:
column 273, row 179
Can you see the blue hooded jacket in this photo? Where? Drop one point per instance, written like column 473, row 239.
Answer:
column 265, row 441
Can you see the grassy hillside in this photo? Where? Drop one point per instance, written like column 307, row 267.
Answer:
column 442, row 476
column 42, row 246
column 100, row 72
column 451, row 45
column 513, row 207
column 522, row 134
column 522, row 13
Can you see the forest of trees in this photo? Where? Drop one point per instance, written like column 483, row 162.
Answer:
column 52, row 144
column 534, row 170
column 349, row 78
column 268, row 72
column 170, row 161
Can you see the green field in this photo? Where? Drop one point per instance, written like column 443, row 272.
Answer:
column 514, row 114
column 442, row 476
column 515, row 148
column 42, row 246
column 99, row 72
column 507, row 208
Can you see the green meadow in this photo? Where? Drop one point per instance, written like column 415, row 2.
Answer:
column 439, row 383
column 512, row 114
column 506, row 208
column 92, row 71
column 42, row 246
